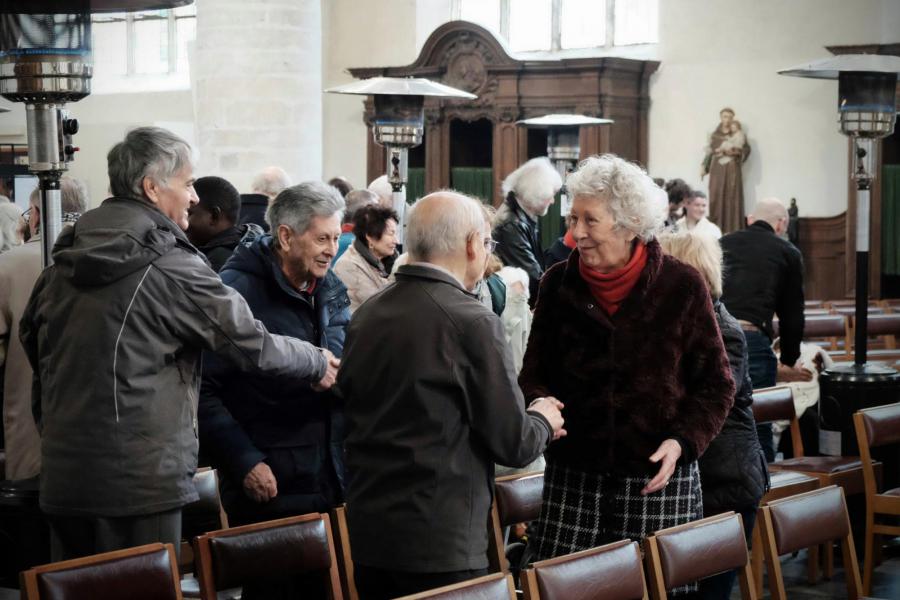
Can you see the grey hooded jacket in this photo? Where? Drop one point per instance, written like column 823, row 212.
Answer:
column 114, row 331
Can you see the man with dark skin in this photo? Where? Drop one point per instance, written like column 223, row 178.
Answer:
column 213, row 224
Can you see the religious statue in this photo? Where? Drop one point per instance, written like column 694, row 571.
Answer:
column 725, row 155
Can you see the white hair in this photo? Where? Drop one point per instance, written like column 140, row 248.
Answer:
column 637, row 204
column 441, row 230
column 270, row 181
column 296, row 206
column 10, row 218
column 381, row 187
column 533, row 183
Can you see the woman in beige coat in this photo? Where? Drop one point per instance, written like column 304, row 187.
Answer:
column 363, row 267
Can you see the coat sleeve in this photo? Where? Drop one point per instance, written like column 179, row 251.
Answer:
column 28, row 335
column 514, row 250
column 708, row 382
column 513, row 436
column 789, row 308
column 215, row 317
column 537, row 364
column 221, row 437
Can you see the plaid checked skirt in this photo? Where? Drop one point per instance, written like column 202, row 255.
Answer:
column 584, row 510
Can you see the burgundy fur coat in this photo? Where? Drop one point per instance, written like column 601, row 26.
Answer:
column 656, row 369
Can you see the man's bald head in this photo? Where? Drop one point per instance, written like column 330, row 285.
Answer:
column 439, row 224
column 270, row 181
column 773, row 212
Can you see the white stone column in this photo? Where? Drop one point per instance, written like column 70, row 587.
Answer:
column 257, row 81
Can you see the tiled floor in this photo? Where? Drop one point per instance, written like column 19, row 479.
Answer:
column 885, row 583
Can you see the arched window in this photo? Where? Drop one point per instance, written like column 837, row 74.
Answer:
column 555, row 25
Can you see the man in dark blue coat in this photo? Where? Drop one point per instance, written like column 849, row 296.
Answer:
column 278, row 443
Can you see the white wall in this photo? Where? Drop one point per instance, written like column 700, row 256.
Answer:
column 360, row 34
column 103, row 121
column 726, row 53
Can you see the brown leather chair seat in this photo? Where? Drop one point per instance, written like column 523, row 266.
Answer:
column 808, row 520
column 231, row 558
column 875, row 427
column 680, row 555
column 490, row 587
column 517, row 499
column 611, row 572
column 142, row 573
column 818, row 464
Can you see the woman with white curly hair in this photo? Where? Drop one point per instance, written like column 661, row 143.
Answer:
column 529, row 190
column 627, row 339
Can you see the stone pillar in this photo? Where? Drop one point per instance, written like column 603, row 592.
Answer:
column 257, row 80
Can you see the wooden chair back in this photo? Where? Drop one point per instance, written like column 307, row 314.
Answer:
column 147, row 572
column 680, row 555
column 611, row 572
column 228, row 558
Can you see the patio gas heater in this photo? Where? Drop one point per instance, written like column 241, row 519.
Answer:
column 399, row 124
column 45, row 62
column 563, row 148
column 867, row 87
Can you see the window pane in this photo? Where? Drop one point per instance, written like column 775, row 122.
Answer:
column 186, row 11
column 636, row 22
column 529, row 24
column 109, row 49
column 583, row 23
column 151, row 46
column 483, row 12
column 186, row 31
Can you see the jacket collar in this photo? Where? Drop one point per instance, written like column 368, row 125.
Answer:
column 576, row 292
column 325, row 287
column 432, row 273
column 519, row 211
column 762, row 226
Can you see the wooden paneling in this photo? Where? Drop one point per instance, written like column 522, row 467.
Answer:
column 822, row 242
column 467, row 56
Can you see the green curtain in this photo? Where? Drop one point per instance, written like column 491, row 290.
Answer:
column 475, row 181
column 415, row 184
column 890, row 219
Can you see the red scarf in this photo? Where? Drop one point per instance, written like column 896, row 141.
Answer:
column 611, row 289
column 347, row 228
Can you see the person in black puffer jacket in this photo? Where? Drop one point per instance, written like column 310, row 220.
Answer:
column 733, row 469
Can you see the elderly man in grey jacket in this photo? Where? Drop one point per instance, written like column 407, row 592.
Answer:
column 432, row 403
column 114, row 331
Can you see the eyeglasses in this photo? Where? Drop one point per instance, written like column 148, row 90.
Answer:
column 26, row 216
column 490, row 245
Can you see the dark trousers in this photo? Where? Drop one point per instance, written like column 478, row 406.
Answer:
column 74, row 537
column 383, row 584
column 718, row 587
column 763, row 370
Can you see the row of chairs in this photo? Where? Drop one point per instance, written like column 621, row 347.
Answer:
column 835, row 333
column 228, row 557
column 304, row 544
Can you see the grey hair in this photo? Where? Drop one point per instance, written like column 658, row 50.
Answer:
column 533, row 182
column 10, row 218
column 439, row 233
column 637, row 204
column 296, row 206
column 356, row 199
column 270, row 181
column 73, row 201
column 151, row 152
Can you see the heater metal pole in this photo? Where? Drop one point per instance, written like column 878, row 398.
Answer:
column 865, row 154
